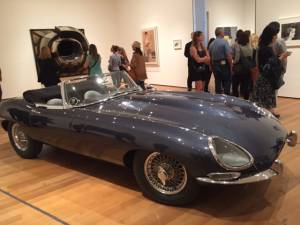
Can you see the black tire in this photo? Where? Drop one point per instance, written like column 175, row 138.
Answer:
column 185, row 196
column 31, row 150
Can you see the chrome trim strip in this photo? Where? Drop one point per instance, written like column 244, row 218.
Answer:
column 226, row 167
column 49, row 106
column 262, row 176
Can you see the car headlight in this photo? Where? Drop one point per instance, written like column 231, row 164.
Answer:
column 230, row 155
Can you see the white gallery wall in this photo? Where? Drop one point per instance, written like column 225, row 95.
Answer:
column 120, row 22
column 231, row 13
column 270, row 10
column 17, row 17
column 174, row 20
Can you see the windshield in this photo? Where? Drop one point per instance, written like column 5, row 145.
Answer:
column 86, row 91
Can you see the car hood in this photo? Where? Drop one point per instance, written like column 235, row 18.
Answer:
column 239, row 121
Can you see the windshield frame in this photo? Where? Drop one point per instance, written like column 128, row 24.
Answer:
column 66, row 105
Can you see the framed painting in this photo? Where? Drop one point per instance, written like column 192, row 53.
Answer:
column 150, row 46
column 290, row 30
column 177, row 44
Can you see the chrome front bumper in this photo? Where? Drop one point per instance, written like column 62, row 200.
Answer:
column 275, row 170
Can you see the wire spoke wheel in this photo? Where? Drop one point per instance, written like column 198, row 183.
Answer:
column 19, row 137
column 165, row 174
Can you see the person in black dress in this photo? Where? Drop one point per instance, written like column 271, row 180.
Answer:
column 200, row 60
column 48, row 71
column 270, row 69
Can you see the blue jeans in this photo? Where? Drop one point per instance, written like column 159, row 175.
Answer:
column 222, row 78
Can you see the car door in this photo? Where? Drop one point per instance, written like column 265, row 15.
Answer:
column 52, row 126
column 101, row 136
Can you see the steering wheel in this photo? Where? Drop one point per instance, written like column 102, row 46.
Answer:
column 74, row 101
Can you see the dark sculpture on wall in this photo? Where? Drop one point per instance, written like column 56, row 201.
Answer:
column 68, row 47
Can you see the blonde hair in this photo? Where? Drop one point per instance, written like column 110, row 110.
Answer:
column 45, row 53
column 254, row 40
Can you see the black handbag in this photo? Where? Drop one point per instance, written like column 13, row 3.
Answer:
column 200, row 68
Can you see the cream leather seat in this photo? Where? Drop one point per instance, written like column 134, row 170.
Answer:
column 55, row 101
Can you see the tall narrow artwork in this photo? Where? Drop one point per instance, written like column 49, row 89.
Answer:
column 290, row 31
column 150, row 46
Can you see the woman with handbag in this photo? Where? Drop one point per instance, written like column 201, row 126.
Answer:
column 270, row 69
column 200, row 60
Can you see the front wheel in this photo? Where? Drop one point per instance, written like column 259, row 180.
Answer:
column 24, row 146
column 164, row 179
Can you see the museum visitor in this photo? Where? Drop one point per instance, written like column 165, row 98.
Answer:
column 48, row 74
column 93, row 63
column 124, row 60
column 221, row 58
column 242, row 65
column 187, row 54
column 270, row 68
column 138, row 66
column 208, row 68
column 200, row 60
column 115, row 61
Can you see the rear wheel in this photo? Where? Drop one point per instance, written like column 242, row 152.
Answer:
column 24, row 146
column 164, row 179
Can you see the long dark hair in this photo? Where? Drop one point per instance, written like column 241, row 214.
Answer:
column 93, row 51
column 195, row 41
column 244, row 38
column 137, row 50
column 267, row 36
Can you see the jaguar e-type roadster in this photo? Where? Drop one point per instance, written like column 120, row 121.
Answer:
column 171, row 140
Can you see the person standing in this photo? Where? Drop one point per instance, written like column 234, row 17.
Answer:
column 221, row 58
column 208, row 69
column 200, row 60
column 93, row 62
column 270, row 68
column 48, row 70
column 243, row 63
column 138, row 65
column 124, row 59
column 115, row 60
column 0, row 85
column 187, row 54
column 279, row 48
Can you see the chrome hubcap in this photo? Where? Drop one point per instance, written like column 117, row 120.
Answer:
column 165, row 174
column 19, row 137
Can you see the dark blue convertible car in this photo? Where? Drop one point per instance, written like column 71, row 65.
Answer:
column 171, row 140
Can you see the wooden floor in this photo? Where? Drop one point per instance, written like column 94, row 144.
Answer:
column 65, row 188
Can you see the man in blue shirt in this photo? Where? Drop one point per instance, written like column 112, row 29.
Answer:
column 221, row 59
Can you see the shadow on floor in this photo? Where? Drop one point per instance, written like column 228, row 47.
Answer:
column 230, row 202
